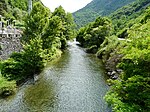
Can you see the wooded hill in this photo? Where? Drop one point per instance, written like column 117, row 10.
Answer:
column 125, row 16
column 14, row 9
column 97, row 8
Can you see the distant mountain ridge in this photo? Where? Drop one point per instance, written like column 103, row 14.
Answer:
column 98, row 8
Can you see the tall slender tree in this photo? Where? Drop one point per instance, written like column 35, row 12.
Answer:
column 36, row 21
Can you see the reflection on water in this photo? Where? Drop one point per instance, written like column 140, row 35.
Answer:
column 75, row 83
column 40, row 96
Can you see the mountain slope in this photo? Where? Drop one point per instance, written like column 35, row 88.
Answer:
column 14, row 9
column 126, row 16
column 96, row 8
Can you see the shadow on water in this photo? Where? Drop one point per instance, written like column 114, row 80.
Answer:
column 74, row 83
column 40, row 96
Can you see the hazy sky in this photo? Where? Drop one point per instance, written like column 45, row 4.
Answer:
column 68, row 5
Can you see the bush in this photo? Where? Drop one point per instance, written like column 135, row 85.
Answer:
column 8, row 86
column 131, row 92
column 95, row 33
column 24, row 64
column 108, row 46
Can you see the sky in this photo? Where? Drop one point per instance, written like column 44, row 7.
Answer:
column 68, row 5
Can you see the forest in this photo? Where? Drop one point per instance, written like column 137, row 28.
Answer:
column 97, row 8
column 121, row 40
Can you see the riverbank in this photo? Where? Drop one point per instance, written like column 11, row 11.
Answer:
column 42, row 42
column 74, row 82
column 8, row 88
column 110, row 56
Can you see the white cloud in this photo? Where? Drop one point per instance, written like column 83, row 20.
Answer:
column 68, row 5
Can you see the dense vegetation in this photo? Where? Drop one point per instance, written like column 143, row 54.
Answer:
column 131, row 92
column 92, row 35
column 131, row 55
column 45, row 34
column 97, row 8
column 14, row 9
column 6, row 85
column 122, row 16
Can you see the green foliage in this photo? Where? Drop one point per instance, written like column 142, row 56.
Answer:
column 137, row 52
column 107, row 47
column 17, row 13
column 131, row 92
column 97, row 8
column 44, row 35
column 6, row 85
column 131, row 95
column 68, row 26
column 125, row 16
column 25, row 64
column 12, row 69
column 9, row 8
column 53, row 32
column 60, row 12
column 33, row 56
column 3, row 7
column 49, row 26
column 94, row 33
column 35, row 22
column 19, row 4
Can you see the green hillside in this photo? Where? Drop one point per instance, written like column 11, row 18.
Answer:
column 96, row 8
column 14, row 9
column 125, row 16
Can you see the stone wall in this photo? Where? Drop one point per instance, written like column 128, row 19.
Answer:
column 9, row 43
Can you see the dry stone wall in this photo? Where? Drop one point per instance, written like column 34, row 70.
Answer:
column 9, row 43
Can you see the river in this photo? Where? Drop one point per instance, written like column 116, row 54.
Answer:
column 74, row 83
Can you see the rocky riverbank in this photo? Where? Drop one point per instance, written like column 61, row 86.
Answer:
column 110, row 66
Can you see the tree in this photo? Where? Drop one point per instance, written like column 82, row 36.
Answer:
column 35, row 22
column 131, row 92
column 61, row 13
column 53, row 30
column 33, row 57
column 3, row 7
column 26, row 63
column 93, row 35
column 68, row 30
column 17, row 13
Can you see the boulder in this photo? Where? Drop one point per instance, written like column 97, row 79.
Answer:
column 7, row 93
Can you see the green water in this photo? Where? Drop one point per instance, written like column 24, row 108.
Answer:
column 74, row 83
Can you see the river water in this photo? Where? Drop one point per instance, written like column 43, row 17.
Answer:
column 74, row 83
